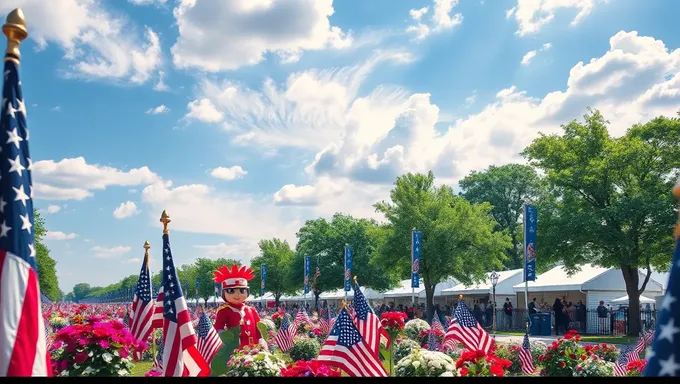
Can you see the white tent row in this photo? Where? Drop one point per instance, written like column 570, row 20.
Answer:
column 624, row 300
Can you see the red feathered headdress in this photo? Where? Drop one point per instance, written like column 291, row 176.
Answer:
column 236, row 277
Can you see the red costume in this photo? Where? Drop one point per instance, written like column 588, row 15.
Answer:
column 235, row 312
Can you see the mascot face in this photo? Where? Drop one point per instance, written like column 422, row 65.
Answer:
column 235, row 295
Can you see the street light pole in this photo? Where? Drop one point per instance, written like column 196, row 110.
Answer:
column 494, row 280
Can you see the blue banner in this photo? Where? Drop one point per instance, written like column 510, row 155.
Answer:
column 196, row 287
column 349, row 255
column 308, row 267
column 218, row 286
column 416, row 251
column 263, row 278
column 530, row 229
column 186, row 287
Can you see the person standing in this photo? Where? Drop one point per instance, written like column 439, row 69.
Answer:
column 602, row 312
column 557, row 309
column 507, row 309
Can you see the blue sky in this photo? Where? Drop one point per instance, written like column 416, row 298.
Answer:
column 244, row 118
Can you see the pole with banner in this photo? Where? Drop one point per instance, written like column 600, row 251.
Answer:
column 530, row 232
column 263, row 278
column 416, row 251
column 349, row 255
column 196, row 292
column 307, row 270
column 217, row 290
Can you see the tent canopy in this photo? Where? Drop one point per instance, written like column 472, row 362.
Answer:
column 624, row 300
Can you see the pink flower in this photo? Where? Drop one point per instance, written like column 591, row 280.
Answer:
column 81, row 357
column 104, row 344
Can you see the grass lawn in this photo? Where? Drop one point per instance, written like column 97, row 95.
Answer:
column 586, row 338
column 141, row 367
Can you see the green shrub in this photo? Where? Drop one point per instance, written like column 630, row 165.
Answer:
column 304, row 348
column 404, row 348
column 415, row 327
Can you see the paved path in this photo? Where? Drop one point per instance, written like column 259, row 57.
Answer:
column 546, row 339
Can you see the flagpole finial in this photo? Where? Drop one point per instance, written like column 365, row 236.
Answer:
column 16, row 32
column 146, row 251
column 460, row 296
column 165, row 219
column 343, row 304
column 355, row 279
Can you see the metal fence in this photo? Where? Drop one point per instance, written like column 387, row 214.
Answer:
column 587, row 322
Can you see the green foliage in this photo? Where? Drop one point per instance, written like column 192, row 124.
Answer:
column 47, row 267
column 608, row 200
column 277, row 255
column 458, row 237
column 325, row 241
column 415, row 327
column 81, row 290
column 264, row 330
column 304, row 348
column 404, row 348
column 506, row 188
column 230, row 339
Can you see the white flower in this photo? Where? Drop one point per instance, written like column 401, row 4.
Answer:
column 446, row 374
column 88, row 370
column 416, row 364
column 122, row 372
column 107, row 357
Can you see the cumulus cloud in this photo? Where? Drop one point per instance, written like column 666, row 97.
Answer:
column 57, row 235
column 108, row 253
column 439, row 19
column 230, row 173
column 158, row 110
column 532, row 15
column 242, row 251
column 97, row 44
column 312, row 109
column 126, row 209
column 252, row 29
column 526, row 59
column 74, row 178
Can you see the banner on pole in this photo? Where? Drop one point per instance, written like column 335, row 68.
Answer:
column 416, row 251
column 308, row 267
column 349, row 255
column 217, row 289
column 263, row 278
column 530, row 230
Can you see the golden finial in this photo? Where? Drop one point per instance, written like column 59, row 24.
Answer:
column 343, row 304
column 146, row 251
column 16, row 32
column 355, row 279
column 165, row 219
column 460, row 296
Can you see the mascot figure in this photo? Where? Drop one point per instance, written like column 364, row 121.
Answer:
column 235, row 313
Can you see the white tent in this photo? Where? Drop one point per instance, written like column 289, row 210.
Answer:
column 506, row 280
column 624, row 300
column 339, row 294
column 261, row 299
column 404, row 289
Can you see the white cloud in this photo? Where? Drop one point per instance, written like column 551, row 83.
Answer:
column 134, row 260
column 239, row 251
column 147, row 2
column 312, row 109
column 97, row 43
column 126, row 209
column 107, row 253
column 158, row 110
column 526, row 59
column 441, row 19
column 160, row 85
column 51, row 209
column 57, row 235
column 73, row 179
column 56, row 109
column 228, row 34
column 532, row 15
column 231, row 173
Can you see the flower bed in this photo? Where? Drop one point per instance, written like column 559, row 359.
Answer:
column 477, row 363
column 404, row 348
column 95, row 348
column 249, row 362
column 309, row 369
column 304, row 348
column 424, row 363
column 415, row 327
column 593, row 366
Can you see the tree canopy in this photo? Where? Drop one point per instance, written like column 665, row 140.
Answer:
column 459, row 240
column 609, row 200
column 47, row 267
column 277, row 255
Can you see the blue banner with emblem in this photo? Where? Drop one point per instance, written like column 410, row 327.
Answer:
column 416, row 251
column 349, row 255
column 530, row 230
column 308, row 270
column 196, row 287
column 263, row 278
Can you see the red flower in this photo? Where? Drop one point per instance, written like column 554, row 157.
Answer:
column 563, row 364
column 312, row 368
column 464, row 371
column 583, row 357
column 540, row 358
column 496, row 370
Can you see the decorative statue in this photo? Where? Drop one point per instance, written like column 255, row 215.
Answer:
column 235, row 312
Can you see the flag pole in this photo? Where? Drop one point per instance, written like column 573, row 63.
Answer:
column 526, row 280
column 153, row 333
column 413, row 290
column 15, row 31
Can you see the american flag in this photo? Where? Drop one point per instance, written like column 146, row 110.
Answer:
column 48, row 336
column 346, row 349
column 284, row 337
column 367, row 321
column 525, row 358
column 436, row 324
column 432, row 341
column 621, row 363
column 143, row 308
column 465, row 329
column 664, row 356
column 158, row 359
column 180, row 355
column 326, row 321
column 300, row 318
column 209, row 341
column 23, row 349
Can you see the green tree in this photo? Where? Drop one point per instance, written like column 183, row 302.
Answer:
column 506, row 188
column 610, row 199
column 325, row 242
column 81, row 290
column 205, row 272
column 277, row 255
column 458, row 237
column 70, row 297
column 47, row 267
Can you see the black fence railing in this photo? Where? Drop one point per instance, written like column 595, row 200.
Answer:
column 587, row 322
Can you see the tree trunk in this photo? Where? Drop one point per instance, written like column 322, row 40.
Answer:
column 632, row 279
column 316, row 300
column 429, row 297
column 276, row 300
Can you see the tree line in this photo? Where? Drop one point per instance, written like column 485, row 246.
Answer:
column 601, row 200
